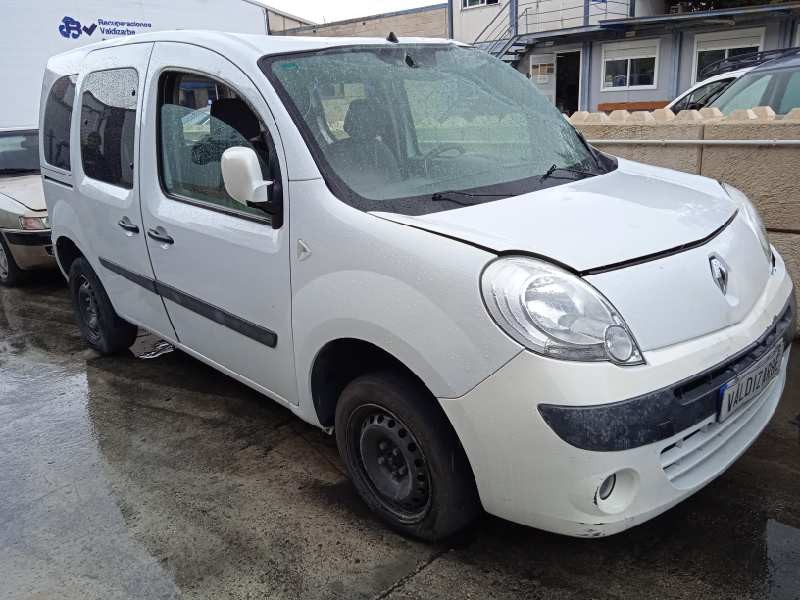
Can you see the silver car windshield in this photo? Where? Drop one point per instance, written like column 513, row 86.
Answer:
column 395, row 127
column 19, row 152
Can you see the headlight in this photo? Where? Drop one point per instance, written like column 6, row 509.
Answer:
column 752, row 216
column 552, row 312
column 36, row 223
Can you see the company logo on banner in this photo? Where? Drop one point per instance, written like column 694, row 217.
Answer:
column 73, row 29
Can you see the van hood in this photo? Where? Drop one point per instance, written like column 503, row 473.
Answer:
column 24, row 189
column 634, row 211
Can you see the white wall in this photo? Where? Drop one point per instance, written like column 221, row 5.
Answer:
column 468, row 22
column 34, row 36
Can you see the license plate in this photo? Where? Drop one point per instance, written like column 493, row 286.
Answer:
column 739, row 391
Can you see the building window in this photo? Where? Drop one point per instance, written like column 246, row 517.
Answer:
column 108, row 124
column 630, row 65
column 475, row 3
column 710, row 48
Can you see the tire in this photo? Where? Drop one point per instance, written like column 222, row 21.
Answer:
column 10, row 274
column 100, row 325
column 403, row 456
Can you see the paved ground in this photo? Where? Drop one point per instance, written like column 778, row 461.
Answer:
column 131, row 478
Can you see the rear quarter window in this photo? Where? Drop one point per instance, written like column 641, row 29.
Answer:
column 57, row 120
column 108, row 125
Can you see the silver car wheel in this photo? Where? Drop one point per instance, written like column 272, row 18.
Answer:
column 3, row 263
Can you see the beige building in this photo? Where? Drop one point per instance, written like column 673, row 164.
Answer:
column 279, row 21
column 427, row 21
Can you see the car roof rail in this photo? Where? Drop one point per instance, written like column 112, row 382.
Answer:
column 745, row 60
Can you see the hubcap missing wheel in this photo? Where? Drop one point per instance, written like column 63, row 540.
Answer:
column 394, row 463
column 88, row 307
column 3, row 263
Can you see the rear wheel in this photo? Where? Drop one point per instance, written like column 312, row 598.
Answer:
column 100, row 325
column 403, row 456
column 10, row 273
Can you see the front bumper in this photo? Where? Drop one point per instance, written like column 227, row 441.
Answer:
column 527, row 473
column 30, row 249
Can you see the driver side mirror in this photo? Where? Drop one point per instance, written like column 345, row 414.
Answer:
column 241, row 173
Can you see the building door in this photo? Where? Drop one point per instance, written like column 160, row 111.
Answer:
column 542, row 73
column 568, row 78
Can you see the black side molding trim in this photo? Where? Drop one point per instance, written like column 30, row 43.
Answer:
column 145, row 282
column 196, row 305
column 662, row 413
column 57, row 181
column 209, row 311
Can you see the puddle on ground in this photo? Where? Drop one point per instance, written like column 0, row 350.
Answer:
column 149, row 346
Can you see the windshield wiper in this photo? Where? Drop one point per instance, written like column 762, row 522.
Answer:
column 552, row 170
column 439, row 196
column 592, row 151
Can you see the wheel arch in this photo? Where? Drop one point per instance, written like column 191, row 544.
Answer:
column 339, row 362
column 67, row 251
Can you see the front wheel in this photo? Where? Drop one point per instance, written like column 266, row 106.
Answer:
column 100, row 325
column 10, row 273
column 403, row 456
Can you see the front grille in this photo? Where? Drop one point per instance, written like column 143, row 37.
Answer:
column 707, row 449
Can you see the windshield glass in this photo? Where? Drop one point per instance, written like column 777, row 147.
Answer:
column 19, row 152
column 746, row 92
column 395, row 127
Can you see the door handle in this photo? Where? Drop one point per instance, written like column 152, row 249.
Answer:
column 128, row 226
column 160, row 235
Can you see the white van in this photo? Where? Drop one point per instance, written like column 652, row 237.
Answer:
column 406, row 244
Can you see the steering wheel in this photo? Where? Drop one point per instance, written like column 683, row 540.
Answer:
column 440, row 149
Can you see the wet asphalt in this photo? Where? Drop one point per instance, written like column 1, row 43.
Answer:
column 161, row 478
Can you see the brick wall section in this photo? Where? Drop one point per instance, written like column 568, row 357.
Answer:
column 420, row 23
column 769, row 175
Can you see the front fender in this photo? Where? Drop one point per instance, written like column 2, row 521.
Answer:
column 411, row 293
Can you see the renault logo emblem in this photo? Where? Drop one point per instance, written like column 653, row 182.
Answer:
column 720, row 273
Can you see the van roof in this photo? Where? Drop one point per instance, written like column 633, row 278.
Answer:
column 234, row 45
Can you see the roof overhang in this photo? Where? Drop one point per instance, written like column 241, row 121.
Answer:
column 724, row 16
column 617, row 27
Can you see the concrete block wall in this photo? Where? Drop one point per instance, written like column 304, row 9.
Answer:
column 768, row 173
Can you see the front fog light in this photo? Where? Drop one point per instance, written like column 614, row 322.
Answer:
column 618, row 343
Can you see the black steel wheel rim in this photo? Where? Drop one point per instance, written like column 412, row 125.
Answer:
column 4, row 267
column 392, row 462
column 88, row 309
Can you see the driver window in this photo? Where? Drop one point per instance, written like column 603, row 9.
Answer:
column 200, row 118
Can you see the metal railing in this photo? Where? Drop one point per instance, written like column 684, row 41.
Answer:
column 534, row 16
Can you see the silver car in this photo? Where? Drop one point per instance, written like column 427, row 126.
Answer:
column 24, row 228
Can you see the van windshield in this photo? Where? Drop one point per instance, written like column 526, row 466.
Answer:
column 400, row 128
column 19, row 152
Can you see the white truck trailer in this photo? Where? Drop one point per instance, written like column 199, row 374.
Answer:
column 39, row 29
